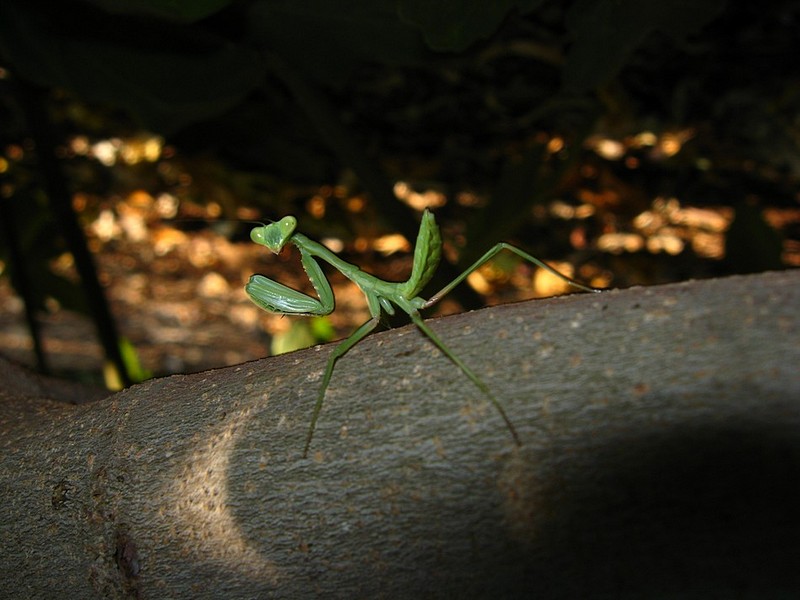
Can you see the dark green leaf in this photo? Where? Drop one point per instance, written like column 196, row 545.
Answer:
column 454, row 25
column 606, row 32
column 168, row 75
column 327, row 39
column 180, row 10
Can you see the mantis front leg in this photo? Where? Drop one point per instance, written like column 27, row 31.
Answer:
column 278, row 298
column 283, row 300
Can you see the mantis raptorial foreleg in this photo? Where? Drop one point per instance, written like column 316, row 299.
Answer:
column 381, row 295
column 278, row 298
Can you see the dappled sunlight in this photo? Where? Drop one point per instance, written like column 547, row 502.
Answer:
column 130, row 151
column 419, row 199
column 669, row 227
column 655, row 147
column 200, row 505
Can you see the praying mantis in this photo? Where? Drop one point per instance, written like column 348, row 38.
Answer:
column 382, row 296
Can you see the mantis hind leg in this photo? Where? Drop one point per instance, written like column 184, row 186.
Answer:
column 337, row 353
column 491, row 253
column 417, row 319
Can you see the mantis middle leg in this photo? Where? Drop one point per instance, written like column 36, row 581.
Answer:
column 337, row 353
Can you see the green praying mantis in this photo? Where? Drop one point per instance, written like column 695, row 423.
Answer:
column 381, row 295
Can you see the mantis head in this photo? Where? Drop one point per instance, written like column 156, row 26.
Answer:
column 275, row 235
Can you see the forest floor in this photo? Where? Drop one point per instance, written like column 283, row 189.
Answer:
column 177, row 295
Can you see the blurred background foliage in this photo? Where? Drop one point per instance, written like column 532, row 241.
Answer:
column 626, row 142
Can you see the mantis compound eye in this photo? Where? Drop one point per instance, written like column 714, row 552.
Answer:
column 286, row 226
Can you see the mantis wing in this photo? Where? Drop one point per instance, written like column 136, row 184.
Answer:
column 427, row 254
